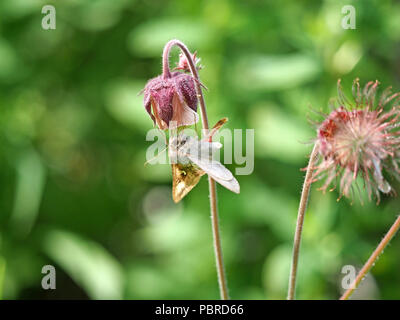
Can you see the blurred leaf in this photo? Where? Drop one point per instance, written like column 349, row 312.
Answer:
column 256, row 72
column 276, row 272
column 278, row 134
column 88, row 263
column 176, row 232
column 124, row 102
column 149, row 38
column 148, row 282
column 96, row 15
column 393, row 22
column 270, row 207
column 29, row 190
column 2, row 274
column 8, row 60
column 347, row 57
column 321, row 213
column 19, row 8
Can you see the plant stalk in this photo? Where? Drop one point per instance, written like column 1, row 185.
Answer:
column 223, row 288
column 300, row 221
column 372, row 259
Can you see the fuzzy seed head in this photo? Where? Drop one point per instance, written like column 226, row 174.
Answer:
column 360, row 139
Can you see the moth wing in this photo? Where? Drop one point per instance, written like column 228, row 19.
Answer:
column 184, row 179
column 206, row 147
column 218, row 172
column 232, row 185
column 202, row 149
column 201, row 153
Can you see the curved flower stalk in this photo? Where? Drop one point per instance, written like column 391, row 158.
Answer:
column 171, row 100
column 358, row 141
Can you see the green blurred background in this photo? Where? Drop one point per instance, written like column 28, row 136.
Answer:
column 74, row 192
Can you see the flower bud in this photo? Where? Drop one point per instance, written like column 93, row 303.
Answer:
column 172, row 101
column 183, row 63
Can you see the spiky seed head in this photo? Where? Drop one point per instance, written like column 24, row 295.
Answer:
column 360, row 138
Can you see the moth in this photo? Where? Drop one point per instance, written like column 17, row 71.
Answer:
column 191, row 158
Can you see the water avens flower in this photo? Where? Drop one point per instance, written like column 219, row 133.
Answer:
column 360, row 139
column 171, row 98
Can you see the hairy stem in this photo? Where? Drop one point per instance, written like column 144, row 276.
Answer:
column 300, row 221
column 212, row 186
column 372, row 259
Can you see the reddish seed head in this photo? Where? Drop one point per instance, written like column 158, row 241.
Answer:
column 171, row 100
column 360, row 139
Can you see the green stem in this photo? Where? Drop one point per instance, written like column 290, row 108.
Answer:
column 300, row 221
column 372, row 259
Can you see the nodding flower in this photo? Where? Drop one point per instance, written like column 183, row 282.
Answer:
column 171, row 100
column 360, row 138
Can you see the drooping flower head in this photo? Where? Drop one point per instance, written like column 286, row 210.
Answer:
column 171, row 99
column 360, row 138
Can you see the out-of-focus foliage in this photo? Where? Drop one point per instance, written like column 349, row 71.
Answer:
column 73, row 189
